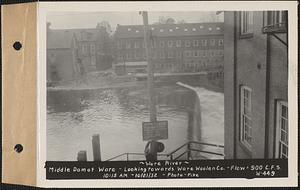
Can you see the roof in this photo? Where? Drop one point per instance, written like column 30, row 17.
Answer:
column 59, row 39
column 164, row 30
column 84, row 34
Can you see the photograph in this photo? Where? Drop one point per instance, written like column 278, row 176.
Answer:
column 151, row 94
column 161, row 85
column 98, row 85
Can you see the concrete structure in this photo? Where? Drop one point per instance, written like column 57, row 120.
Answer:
column 255, row 84
column 191, row 47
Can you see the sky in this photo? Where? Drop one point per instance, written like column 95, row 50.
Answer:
column 69, row 20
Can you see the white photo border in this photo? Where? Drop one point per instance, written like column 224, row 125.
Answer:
column 45, row 8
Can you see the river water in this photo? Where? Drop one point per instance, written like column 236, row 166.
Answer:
column 74, row 116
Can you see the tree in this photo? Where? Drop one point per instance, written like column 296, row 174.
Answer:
column 165, row 20
column 181, row 21
column 106, row 25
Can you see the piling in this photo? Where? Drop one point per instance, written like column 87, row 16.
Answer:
column 81, row 156
column 96, row 147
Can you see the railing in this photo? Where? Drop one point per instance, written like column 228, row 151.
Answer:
column 276, row 28
column 172, row 155
column 190, row 149
column 127, row 154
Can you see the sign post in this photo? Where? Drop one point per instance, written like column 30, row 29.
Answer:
column 155, row 130
column 152, row 133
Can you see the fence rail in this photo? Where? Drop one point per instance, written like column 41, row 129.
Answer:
column 172, row 155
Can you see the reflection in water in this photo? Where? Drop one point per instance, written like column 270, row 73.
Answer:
column 117, row 115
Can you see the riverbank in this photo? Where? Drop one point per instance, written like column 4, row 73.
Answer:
column 108, row 80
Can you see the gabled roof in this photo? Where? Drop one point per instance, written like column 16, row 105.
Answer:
column 164, row 30
column 58, row 39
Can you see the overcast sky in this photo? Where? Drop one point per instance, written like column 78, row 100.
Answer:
column 90, row 20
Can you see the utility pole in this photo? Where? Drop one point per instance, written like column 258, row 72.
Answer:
column 149, row 67
column 152, row 145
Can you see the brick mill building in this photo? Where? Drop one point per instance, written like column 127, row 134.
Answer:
column 256, row 84
column 189, row 47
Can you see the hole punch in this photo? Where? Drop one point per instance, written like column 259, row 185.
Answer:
column 18, row 148
column 17, row 46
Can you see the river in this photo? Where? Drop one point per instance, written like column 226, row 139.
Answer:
column 73, row 116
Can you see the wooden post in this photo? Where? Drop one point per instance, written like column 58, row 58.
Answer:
column 189, row 151
column 81, row 156
column 96, row 147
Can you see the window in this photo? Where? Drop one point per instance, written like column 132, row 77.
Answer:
column 136, row 45
column 93, row 49
column 188, row 53
column 161, row 44
column 136, row 55
column 84, row 48
column 246, row 24
column 221, row 53
column 178, row 54
column 275, row 21
column 153, row 43
column 120, row 57
column 170, row 43
column 195, row 53
column 154, row 55
column 204, row 42
column 178, row 43
column 220, row 42
column 162, row 55
column 282, row 130
column 187, row 43
column 128, row 45
column 170, row 54
column 195, row 42
column 212, row 42
column 119, row 44
column 93, row 60
column 245, row 116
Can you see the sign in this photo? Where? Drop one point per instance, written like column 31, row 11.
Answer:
column 155, row 130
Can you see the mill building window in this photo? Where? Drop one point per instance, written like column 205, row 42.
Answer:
column 221, row 42
column 128, row 45
column 84, row 48
column 162, row 55
column 178, row 43
column 170, row 43
column 187, row 43
column 275, row 21
column 161, row 44
column 282, row 130
column 204, row 42
column 246, row 24
column 93, row 49
column 246, row 116
column 195, row 42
